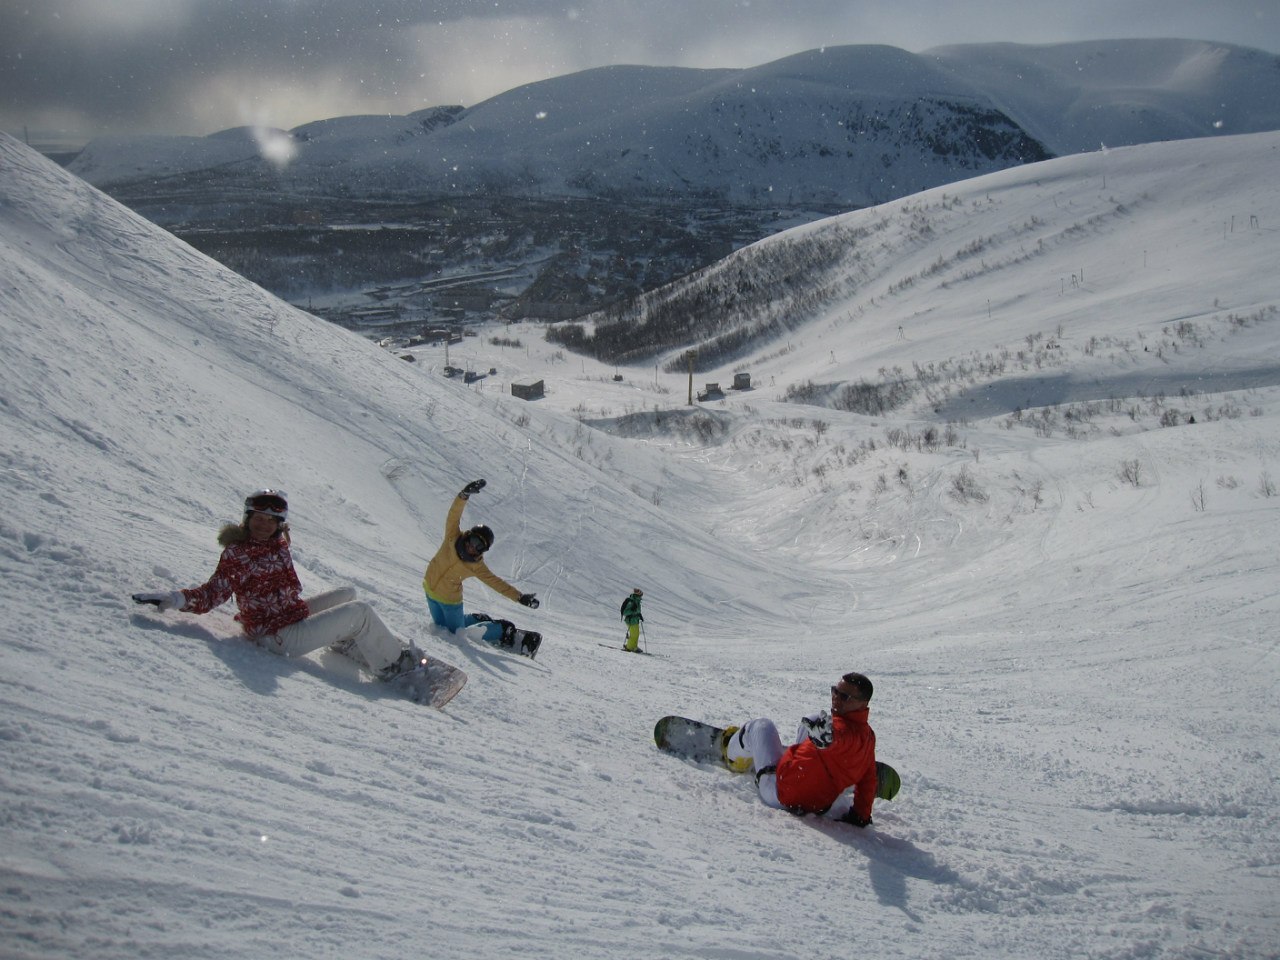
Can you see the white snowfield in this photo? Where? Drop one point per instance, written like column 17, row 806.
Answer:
column 1070, row 614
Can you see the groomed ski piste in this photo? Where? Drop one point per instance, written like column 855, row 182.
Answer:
column 1070, row 613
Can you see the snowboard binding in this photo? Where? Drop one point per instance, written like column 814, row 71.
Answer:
column 523, row 642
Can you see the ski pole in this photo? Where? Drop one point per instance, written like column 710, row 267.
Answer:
column 644, row 637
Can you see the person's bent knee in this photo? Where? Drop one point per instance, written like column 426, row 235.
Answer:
column 767, row 785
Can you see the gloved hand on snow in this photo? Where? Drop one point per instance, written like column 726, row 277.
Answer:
column 164, row 601
column 475, row 486
column 529, row 600
column 856, row 820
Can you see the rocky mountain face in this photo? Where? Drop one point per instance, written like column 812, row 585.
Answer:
column 561, row 197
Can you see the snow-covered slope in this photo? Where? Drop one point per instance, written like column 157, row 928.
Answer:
column 1076, row 673
column 1020, row 288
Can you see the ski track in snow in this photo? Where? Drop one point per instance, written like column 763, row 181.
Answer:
column 1076, row 675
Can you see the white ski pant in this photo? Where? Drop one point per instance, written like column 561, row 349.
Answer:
column 337, row 615
column 759, row 740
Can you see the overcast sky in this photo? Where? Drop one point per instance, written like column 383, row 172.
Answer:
column 86, row 67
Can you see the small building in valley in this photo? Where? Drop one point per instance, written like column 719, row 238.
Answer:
column 527, row 389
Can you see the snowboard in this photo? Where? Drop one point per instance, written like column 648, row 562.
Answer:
column 643, row 653
column 690, row 739
column 434, row 685
column 701, row 743
column 523, row 642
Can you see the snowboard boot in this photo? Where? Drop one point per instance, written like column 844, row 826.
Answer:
column 529, row 643
column 409, row 662
column 508, row 638
column 523, row 642
column 733, row 751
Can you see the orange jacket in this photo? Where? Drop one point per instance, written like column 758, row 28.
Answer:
column 810, row 777
column 446, row 571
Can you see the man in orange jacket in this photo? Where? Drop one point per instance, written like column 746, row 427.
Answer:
column 809, row 775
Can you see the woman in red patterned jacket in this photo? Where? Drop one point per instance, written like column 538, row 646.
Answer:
column 809, row 775
column 256, row 568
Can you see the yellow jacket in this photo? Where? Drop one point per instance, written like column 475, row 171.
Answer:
column 446, row 571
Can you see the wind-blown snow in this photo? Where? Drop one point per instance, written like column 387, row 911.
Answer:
column 1076, row 674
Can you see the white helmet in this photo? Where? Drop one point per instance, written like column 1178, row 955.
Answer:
column 274, row 503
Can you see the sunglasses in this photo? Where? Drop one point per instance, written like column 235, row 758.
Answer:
column 840, row 694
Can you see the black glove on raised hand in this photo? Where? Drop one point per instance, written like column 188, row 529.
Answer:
column 475, row 486
column 529, row 600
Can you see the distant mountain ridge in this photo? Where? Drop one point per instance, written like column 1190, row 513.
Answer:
column 842, row 126
column 563, row 197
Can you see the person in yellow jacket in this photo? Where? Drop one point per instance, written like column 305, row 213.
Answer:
column 461, row 556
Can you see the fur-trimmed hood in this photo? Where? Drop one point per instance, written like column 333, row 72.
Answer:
column 232, row 533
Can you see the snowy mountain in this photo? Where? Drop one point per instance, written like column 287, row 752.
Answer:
column 560, row 197
column 1077, row 97
column 1069, row 612
column 835, row 128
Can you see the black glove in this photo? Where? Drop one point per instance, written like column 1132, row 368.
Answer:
column 529, row 600
column 475, row 486
column 856, row 820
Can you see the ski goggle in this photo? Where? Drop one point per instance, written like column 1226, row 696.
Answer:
column 271, row 502
column 476, row 544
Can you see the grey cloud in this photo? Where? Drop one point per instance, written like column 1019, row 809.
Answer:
column 181, row 65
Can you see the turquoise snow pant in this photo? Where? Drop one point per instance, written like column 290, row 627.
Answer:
column 452, row 617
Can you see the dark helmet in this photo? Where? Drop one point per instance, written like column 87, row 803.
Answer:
column 274, row 503
column 471, row 544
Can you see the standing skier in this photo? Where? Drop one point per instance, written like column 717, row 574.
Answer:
column 809, row 775
column 632, row 618
column 256, row 568
column 460, row 556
